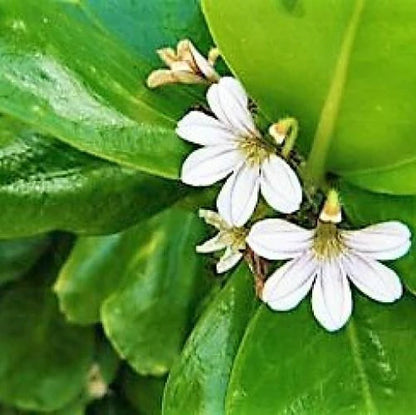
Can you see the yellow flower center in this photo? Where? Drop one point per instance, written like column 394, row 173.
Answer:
column 255, row 150
column 328, row 241
column 235, row 238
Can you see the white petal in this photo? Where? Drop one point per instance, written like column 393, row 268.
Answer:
column 238, row 197
column 280, row 186
column 204, row 130
column 211, row 245
column 290, row 283
column 228, row 260
column 229, row 103
column 210, row 164
column 279, row 239
column 373, row 278
column 331, row 296
column 387, row 240
column 203, row 65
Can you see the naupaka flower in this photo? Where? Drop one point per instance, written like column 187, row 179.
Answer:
column 326, row 259
column 234, row 146
column 229, row 237
column 186, row 65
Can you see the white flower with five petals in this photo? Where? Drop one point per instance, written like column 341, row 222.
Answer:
column 233, row 146
column 325, row 260
column 229, row 237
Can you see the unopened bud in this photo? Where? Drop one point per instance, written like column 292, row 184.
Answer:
column 331, row 212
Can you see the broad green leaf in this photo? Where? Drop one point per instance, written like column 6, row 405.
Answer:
column 148, row 317
column 47, row 185
column 345, row 69
column 396, row 180
column 43, row 360
column 364, row 208
column 97, row 266
column 144, row 393
column 64, row 71
column 17, row 256
column 287, row 364
column 198, row 382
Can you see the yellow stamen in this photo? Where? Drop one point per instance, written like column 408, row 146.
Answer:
column 328, row 241
column 255, row 150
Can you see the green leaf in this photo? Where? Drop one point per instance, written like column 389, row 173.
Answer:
column 396, row 180
column 365, row 208
column 289, row 364
column 144, row 393
column 64, row 71
column 43, row 360
column 47, row 185
column 198, row 382
column 347, row 76
column 148, row 317
column 111, row 405
column 17, row 256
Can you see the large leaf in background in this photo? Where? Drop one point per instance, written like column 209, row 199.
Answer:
column 17, row 256
column 43, row 361
column 364, row 208
column 397, row 180
column 64, row 71
column 288, row 364
column 97, row 266
column 198, row 382
column 148, row 317
column 47, row 185
column 308, row 57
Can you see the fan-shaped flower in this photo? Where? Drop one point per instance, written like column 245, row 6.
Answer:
column 326, row 259
column 186, row 66
column 229, row 237
column 233, row 146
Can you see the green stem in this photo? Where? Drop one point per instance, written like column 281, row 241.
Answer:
column 316, row 164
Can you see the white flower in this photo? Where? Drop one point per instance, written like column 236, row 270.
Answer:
column 229, row 237
column 326, row 259
column 233, row 145
column 186, row 65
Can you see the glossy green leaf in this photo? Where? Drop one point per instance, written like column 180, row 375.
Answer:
column 365, row 208
column 287, row 364
column 47, row 185
column 198, row 382
column 64, row 71
column 148, row 317
column 43, row 360
column 17, row 256
column 345, row 69
column 98, row 266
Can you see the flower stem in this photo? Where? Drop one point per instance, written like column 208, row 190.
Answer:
column 316, row 164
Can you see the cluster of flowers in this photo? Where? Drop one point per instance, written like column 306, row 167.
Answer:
column 323, row 259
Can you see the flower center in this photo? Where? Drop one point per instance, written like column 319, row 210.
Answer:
column 235, row 238
column 328, row 241
column 255, row 150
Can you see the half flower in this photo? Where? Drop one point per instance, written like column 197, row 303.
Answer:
column 326, row 259
column 233, row 145
column 229, row 237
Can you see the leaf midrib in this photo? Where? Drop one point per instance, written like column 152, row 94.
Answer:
column 315, row 168
column 359, row 363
